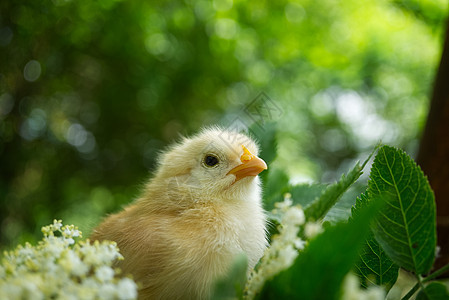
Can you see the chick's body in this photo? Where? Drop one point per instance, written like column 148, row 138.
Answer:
column 200, row 210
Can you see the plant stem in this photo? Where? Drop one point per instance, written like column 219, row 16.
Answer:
column 421, row 281
column 411, row 292
column 437, row 273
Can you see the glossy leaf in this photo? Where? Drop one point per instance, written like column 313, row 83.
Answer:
column 406, row 225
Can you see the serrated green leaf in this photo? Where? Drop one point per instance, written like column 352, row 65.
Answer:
column 434, row 291
column 373, row 266
column 319, row 270
column 406, row 225
column 320, row 206
column 304, row 194
column 342, row 209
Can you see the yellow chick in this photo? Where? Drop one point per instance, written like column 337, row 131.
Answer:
column 201, row 209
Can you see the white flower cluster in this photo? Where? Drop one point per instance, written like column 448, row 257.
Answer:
column 59, row 268
column 353, row 291
column 312, row 229
column 283, row 249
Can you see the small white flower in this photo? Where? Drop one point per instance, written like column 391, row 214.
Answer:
column 25, row 252
column 312, row 229
column 286, row 203
column 31, row 290
column 295, row 216
column 58, row 267
column 127, row 289
column 283, row 249
column 11, row 290
column 108, row 291
column 287, row 256
column 299, row 244
column 375, row 293
column 57, row 224
column 91, row 257
column 353, row 291
column 72, row 264
column 53, row 247
column 104, row 273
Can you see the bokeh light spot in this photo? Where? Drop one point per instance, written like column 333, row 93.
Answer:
column 294, row 12
column 223, row 5
column 226, row 28
column 32, row 71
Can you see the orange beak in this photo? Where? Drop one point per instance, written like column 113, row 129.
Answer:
column 251, row 165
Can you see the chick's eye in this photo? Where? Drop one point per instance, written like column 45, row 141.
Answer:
column 210, row 160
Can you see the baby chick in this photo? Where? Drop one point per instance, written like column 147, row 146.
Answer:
column 201, row 209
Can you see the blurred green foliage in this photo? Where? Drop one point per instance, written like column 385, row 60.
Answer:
column 90, row 91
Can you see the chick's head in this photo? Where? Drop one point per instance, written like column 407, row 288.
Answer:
column 215, row 163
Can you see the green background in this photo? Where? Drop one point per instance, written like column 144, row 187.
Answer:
column 91, row 91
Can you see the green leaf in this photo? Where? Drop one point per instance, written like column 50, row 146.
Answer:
column 320, row 206
column 305, row 193
column 434, row 291
column 342, row 209
column 231, row 286
column 374, row 266
column 406, row 225
column 319, row 270
column 275, row 187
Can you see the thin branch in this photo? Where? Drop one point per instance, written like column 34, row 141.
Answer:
column 411, row 292
column 421, row 281
column 436, row 273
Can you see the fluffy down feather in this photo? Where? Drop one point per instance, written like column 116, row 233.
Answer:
column 192, row 219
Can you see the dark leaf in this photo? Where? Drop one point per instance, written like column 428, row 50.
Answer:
column 374, row 266
column 434, row 291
